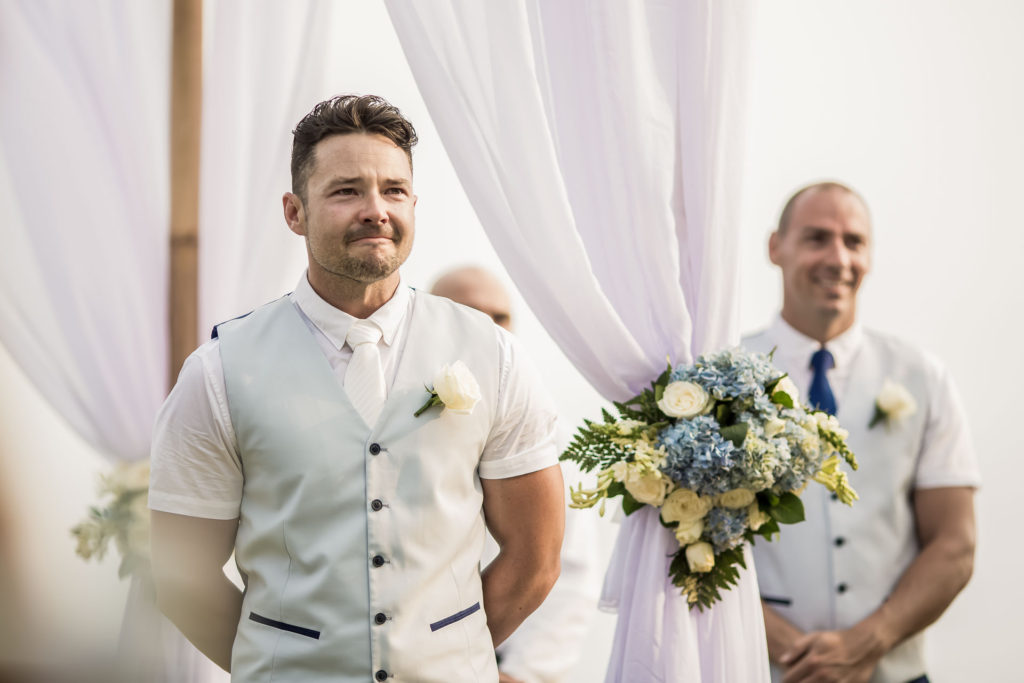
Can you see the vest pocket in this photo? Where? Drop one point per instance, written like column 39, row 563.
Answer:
column 785, row 602
column 308, row 632
column 448, row 621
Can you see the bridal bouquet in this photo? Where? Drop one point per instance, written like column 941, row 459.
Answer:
column 122, row 516
column 723, row 448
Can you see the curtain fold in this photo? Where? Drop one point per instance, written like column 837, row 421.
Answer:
column 83, row 276
column 600, row 144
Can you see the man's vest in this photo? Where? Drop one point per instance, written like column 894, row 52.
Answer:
column 839, row 565
column 359, row 545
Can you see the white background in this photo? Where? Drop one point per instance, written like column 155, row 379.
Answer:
column 916, row 104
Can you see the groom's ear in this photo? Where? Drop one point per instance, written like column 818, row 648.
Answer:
column 294, row 213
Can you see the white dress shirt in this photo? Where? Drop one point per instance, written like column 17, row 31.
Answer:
column 197, row 469
column 832, row 570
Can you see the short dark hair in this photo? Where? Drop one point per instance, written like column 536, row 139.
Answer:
column 787, row 210
column 342, row 115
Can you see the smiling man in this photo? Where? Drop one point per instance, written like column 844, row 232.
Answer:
column 295, row 438
column 848, row 593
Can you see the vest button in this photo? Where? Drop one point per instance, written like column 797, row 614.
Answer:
column 380, row 618
column 378, row 561
column 841, row 588
column 381, row 675
column 376, row 504
column 374, row 450
column 835, row 496
column 840, row 541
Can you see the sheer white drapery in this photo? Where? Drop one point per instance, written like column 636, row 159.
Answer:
column 84, row 123
column 83, row 273
column 600, row 145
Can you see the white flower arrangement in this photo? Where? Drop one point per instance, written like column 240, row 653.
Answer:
column 455, row 388
column 724, row 449
column 122, row 515
column 893, row 404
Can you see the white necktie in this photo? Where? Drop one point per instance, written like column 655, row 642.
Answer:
column 364, row 378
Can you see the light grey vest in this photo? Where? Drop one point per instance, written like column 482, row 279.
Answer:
column 839, row 565
column 360, row 546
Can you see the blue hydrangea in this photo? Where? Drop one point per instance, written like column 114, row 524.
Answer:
column 733, row 373
column 724, row 527
column 698, row 458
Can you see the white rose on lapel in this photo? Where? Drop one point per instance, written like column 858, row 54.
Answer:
column 455, row 388
column 893, row 403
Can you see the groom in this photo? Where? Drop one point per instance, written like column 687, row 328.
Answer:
column 293, row 439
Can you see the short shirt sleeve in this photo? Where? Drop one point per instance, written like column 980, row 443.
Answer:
column 195, row 466
column 523, row 436
column 947, row 456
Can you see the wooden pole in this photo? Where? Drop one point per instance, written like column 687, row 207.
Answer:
column 186, row 122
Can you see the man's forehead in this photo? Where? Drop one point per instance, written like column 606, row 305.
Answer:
column 831, row 208
column 362, row 151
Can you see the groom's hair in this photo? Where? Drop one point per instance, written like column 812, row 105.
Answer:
column 342, row 115
column 787, row 210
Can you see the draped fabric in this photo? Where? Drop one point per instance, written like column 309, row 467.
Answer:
column 84, row 89
column 84, row 158
column 600, row 144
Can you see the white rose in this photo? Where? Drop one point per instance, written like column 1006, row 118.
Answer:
column 689, row 532
column 619, row 471
column 684, row 399
column 647, row 488
column 773, row 427
column 787, row 386
column 683, row 505
column 895, row 401
column 700, row 556
column 756, row 517
column 735, row 499
column 457, row 388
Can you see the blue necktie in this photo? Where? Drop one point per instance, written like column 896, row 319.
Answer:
column 821, row 395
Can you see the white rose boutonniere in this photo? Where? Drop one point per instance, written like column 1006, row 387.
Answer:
column 455, row 388
column 893, row 403
column 684, row 399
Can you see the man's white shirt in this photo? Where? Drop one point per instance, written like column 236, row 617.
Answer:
column 840, row 564
column 196, row 466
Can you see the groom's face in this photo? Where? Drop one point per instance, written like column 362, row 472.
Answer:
column 357, row 213
column 824, row 253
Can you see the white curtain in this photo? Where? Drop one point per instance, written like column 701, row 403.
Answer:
column 84, row 115
column 600, row 143
column 83, row 271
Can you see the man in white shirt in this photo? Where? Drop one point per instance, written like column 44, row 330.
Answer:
column 548, row 644
column 305, row 438
column 848, row 593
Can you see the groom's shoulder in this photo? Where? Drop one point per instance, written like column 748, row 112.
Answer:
column 759, row 340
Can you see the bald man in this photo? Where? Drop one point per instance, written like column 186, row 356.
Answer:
column 848, row 593
column 546, row 647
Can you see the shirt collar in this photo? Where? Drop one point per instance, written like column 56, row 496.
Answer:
column 796, row 348
column 334, row 322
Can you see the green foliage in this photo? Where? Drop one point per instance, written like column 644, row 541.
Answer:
column 593, row 448
column 736, row 433
column 783, row 399
column 704, row 589
column 629, row 503
column 788, row 510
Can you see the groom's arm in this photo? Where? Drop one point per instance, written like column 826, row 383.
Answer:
column 526, row 517
column 189, row 554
